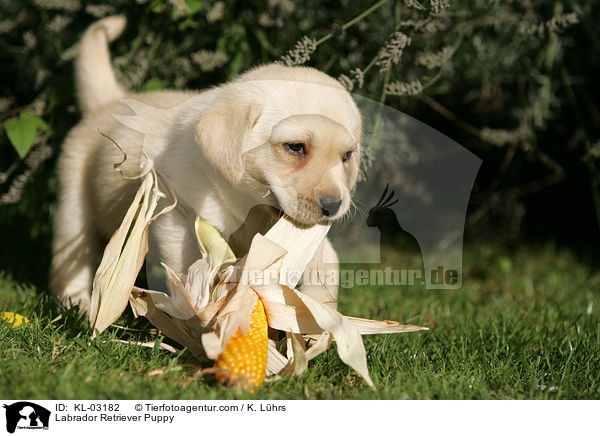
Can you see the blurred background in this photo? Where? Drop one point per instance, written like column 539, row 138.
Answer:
column 512, row 81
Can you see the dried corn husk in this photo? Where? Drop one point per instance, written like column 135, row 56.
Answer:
column 287, row 309
column 125, row 253
column 206, row 307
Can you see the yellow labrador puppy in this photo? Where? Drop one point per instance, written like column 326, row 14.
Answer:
column 284, row 136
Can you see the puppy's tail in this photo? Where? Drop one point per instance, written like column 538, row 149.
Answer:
column 96, row 82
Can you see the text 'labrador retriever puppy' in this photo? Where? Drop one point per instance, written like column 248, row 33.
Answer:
column 283, row 136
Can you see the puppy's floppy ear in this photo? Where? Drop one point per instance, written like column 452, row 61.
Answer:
column 223, row 131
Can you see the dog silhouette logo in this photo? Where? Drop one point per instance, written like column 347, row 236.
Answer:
column 26, row 415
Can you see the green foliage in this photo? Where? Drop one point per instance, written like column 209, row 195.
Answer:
column 510, row 80
column 154, row 85
column 22, row 131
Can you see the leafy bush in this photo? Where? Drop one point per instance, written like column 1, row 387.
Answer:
column 508, row 79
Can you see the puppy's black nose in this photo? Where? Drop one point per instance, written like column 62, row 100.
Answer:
column 330, row 205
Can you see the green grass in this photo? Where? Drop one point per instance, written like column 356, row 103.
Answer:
column 525, row 325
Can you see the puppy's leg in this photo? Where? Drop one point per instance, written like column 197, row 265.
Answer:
column 171, row 241
column 76, row 245
column 321, row 277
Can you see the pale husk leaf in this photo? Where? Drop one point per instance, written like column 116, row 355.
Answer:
column 261, row 262
column 153, row 344
column 123, row 258
column 297, row 359
column 143, row 305
column 285, row 311
column 189, row 298
column 300, row 245
column 125, row 253
column 275, row 360
column 210, row 240
column 111, row 254
column 162, row 301
column 178, row 304
column 198, row 281
column 321, row 345
column 234, row 313
column 349, row 343
column 375, row 327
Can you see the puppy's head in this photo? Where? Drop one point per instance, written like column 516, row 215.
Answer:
column 293, row 129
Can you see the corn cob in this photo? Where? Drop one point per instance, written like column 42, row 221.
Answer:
column 244, row 360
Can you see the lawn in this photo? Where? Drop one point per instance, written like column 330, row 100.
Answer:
column 525, row 325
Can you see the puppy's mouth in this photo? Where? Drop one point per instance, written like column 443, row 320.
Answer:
column 307, row 212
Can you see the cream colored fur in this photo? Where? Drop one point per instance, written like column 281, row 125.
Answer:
column 223, row 150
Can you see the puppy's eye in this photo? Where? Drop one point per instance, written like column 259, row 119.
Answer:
column 296, row 148
column 347, row 156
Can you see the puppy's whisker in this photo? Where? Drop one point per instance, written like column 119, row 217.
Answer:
column 357, row 208
column 347, row 216
column 362, row 211
column 357, row 201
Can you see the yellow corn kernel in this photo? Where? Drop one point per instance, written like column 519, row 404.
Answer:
column 14, row 318
column 244, row 360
